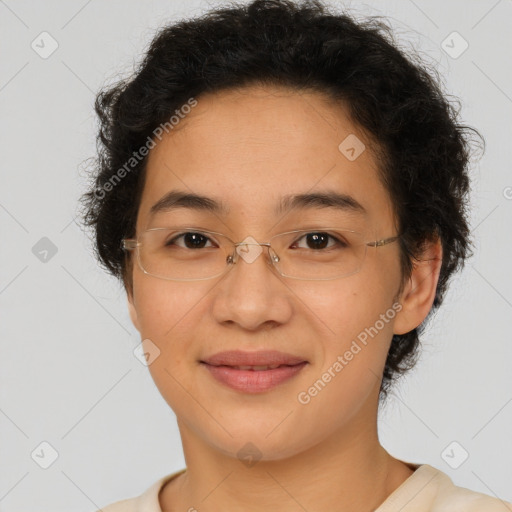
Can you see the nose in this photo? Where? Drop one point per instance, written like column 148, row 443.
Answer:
column 252, row 293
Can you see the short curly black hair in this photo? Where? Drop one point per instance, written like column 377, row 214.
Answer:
column 394, row 98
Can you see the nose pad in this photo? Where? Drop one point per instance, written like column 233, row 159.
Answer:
column 273, row 256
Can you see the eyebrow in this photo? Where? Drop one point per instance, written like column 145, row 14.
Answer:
column 329, row 199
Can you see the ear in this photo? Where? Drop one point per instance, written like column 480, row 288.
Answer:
column 133, row 312
column 420, row 290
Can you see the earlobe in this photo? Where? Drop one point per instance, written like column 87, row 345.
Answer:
column 419, row 292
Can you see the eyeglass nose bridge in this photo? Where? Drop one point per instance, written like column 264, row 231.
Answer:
column 249, row 256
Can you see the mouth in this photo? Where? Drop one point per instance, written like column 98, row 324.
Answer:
column 253, row 378
column 254, row 368
column 259, row 361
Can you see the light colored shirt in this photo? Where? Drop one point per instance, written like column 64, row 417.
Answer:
column 426, row 490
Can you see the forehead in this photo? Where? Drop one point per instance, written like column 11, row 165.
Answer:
column 249, row 148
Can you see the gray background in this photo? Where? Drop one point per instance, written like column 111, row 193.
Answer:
column 68, row 373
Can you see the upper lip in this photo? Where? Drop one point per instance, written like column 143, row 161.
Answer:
column 260, row 358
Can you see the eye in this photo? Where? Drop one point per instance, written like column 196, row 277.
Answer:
column 191, row 240
column 319, row 240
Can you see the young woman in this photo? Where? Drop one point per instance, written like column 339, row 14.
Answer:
column 283, row 194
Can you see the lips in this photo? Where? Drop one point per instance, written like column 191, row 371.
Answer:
column 253, row 372
column 257, row 368
column 260, row 360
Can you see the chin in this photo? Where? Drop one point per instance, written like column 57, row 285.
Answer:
column 251, row 443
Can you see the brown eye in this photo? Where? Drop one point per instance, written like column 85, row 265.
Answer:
column 191, row 240
column 319, row 240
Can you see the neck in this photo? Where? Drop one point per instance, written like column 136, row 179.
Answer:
column 348, row 471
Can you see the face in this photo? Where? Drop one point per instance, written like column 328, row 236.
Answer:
column 248, row 149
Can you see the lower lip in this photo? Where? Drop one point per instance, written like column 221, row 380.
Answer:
column 253, row 381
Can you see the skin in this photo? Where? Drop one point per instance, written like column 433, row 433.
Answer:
column 248, row 147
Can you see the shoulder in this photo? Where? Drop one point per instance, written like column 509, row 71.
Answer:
column 459, row 499
column 428, row 489
column 452, row 498
column 148, row 501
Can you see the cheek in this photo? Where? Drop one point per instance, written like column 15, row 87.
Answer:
column 163, row 307
column 356, row 327
column 170, row 315
column 345, row 307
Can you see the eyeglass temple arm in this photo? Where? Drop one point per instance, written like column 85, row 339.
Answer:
column 128, row 243
column 383, row 241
